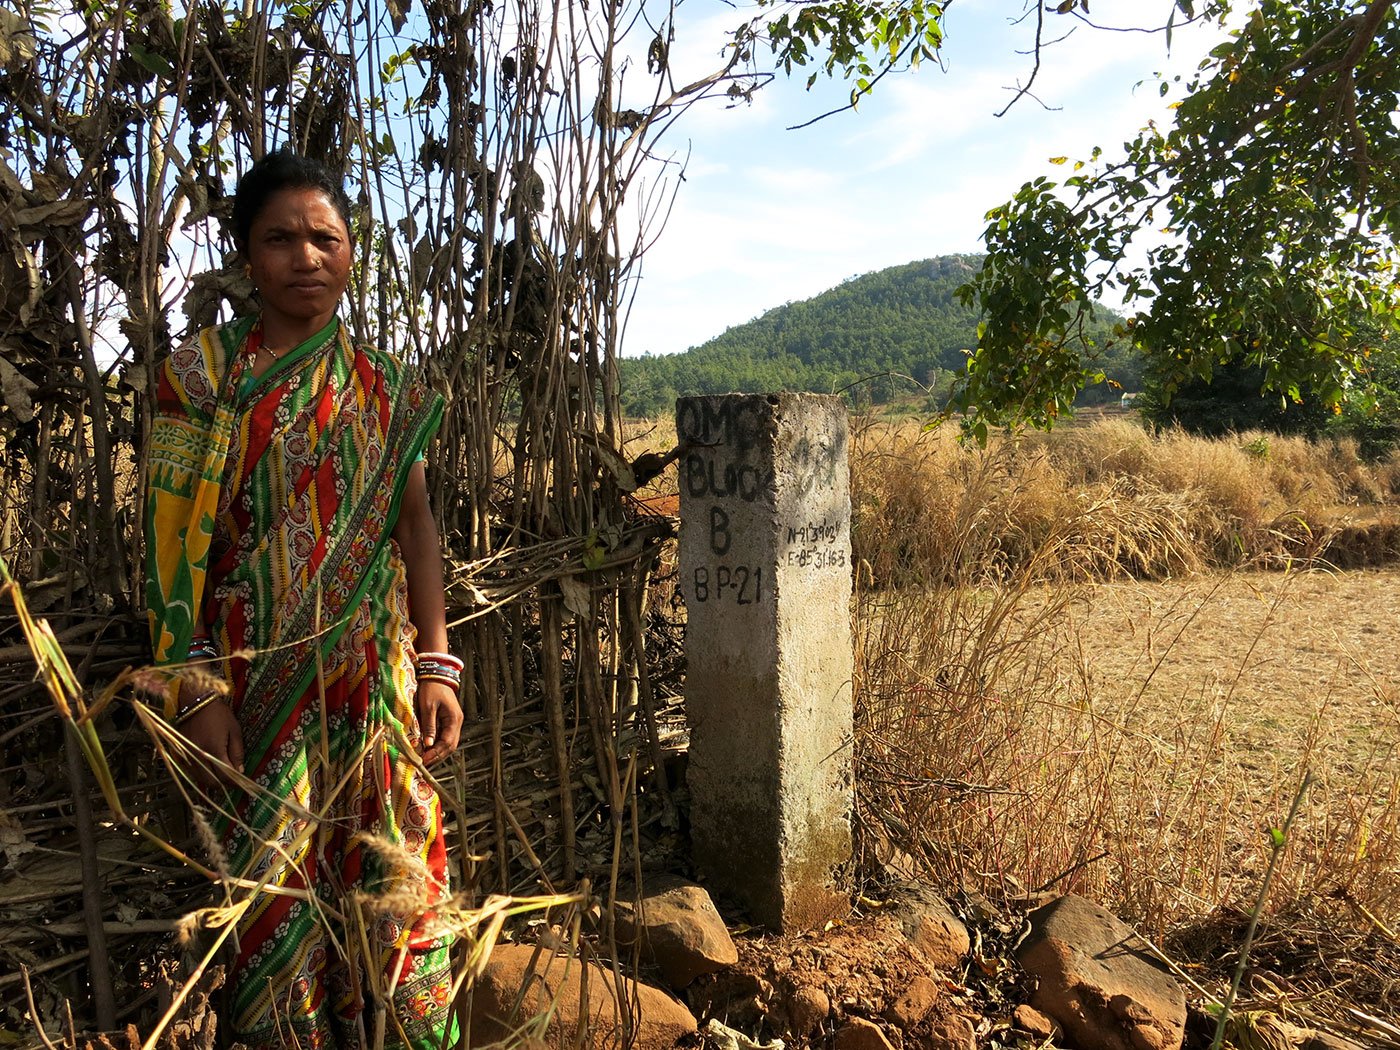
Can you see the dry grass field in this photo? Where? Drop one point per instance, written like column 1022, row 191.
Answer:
column 1298, row 657
column 1105, row 662
column 1250, row 680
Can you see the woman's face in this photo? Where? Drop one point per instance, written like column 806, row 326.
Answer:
column 299, row 256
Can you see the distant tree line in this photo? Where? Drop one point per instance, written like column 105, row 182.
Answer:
column 900, row 337
column 898, row 334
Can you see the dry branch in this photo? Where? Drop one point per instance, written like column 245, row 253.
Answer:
column 489, row 176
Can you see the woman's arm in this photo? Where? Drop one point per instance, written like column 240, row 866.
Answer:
column 175, row 499
column 439, row 713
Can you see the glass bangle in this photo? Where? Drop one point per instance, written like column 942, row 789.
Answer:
column 199, row 705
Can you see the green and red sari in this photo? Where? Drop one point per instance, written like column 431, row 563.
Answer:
column 272, row 503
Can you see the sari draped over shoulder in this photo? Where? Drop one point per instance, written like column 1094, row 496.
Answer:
column 271, row 508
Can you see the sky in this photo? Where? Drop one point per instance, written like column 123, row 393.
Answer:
column 767, row 215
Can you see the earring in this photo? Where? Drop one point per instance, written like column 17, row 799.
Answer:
column 248, row 271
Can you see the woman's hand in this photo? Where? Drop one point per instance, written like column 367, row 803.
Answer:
column 215, row 731
column 439, row 720
column 439, row 713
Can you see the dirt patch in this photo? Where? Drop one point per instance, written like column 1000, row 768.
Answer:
column 1302, row 664
column 803, row 988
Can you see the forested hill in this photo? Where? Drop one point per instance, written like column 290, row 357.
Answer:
column 904, row 320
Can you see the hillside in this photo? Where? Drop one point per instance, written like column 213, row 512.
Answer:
column 863, row 336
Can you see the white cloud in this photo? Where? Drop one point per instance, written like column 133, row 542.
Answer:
column 767, row 215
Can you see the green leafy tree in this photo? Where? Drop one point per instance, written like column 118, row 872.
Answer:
column 1371, row 412
column 1231, row 401
column 1279, row 184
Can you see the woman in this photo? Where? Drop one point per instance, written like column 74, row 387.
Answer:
column 291, row 541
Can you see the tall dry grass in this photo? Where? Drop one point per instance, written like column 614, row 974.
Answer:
column 993, row 756
column 1111, row 499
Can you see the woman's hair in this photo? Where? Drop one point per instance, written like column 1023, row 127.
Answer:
column 282, row 169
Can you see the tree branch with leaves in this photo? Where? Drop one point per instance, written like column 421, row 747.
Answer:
column 1277, row 189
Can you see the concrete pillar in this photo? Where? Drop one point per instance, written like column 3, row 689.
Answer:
column 765, row 564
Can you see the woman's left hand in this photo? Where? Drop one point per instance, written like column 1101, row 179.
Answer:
column 439, row 721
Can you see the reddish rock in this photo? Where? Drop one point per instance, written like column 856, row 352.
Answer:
column 953, row 1032
column 931, row 927
column 859, row 1034
column 680, row 930
column 556, row 983
column 804, row 1009
column 1031, row 1020
column 1095, row 980
column 916, row 1001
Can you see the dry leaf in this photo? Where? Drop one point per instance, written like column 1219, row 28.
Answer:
column 134, row 375
column 19, row 283
column 722, row 1036
column 17, row 390
column 612, row 460
column 577, row 595
column 16, row 40
column 13, row 843
column 35, row 223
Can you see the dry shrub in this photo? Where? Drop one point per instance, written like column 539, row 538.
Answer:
column 927, row 508
column 1299, row 473
column 1387, row 474
column 987, row 765
column 1224, row 495
column 1108, row 499
column 986, row 760
column 1355, row 479
column 998, row 753
column 1109, row 448
column 992, row 758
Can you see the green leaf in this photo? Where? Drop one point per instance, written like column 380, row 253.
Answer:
column 153, row 62
column 593, row 552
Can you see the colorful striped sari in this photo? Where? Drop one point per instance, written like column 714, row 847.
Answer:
column 271, row 507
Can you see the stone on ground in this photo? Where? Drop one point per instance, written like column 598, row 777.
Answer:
column 1031, row 1020
column 930, row 925
column 679, row 928
column 804, row 1009
column 953, row 1032
column 909, row 1008
column 556, row 982
column 1095, row 980
column 859, row 1034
